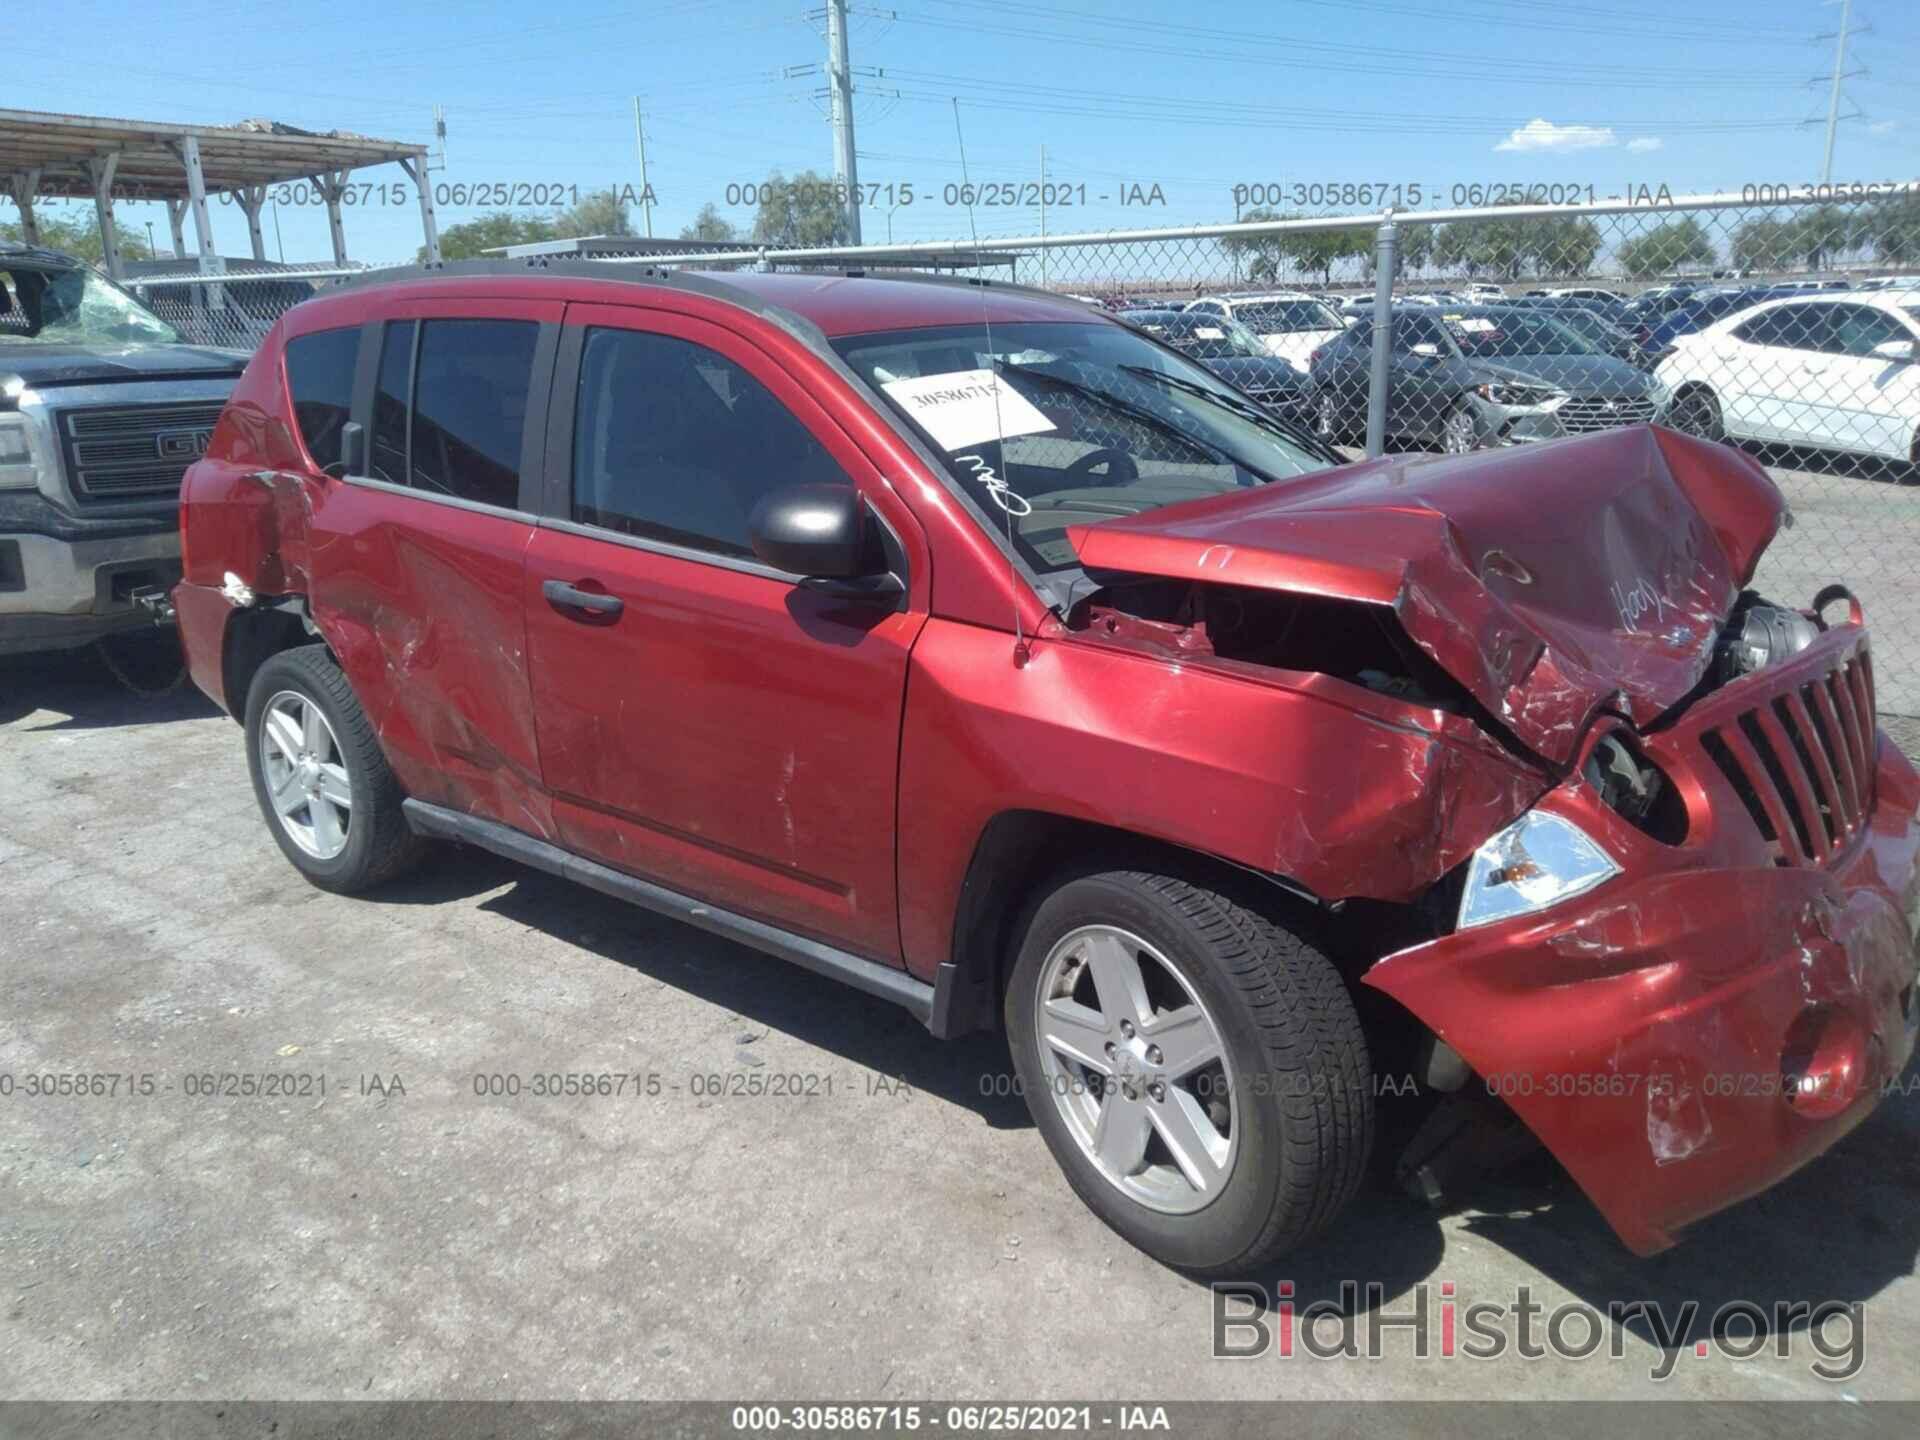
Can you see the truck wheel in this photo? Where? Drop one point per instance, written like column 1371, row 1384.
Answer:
column 320, row 777
column 1197, row 1069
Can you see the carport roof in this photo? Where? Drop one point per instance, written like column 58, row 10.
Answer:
column 253, row 152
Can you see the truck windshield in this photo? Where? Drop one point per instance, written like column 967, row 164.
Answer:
column 1051, row 425
column 72, row 305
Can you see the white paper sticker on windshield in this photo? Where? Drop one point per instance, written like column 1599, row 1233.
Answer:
column 967, row 407
column 1474, row 323
column 1208, row 332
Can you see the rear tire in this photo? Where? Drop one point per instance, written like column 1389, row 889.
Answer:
column 1278, row 1125
column 322, row 781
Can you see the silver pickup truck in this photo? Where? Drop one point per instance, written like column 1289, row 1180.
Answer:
column 102, row 409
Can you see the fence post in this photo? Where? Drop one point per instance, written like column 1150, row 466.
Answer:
column 1385, row 247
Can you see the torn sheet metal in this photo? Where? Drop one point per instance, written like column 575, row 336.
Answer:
column 1551, row 583
column 1707, row 1022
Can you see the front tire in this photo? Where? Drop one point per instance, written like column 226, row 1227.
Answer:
column 1460, row 431
column 1697, row 413
column 1197, row 1069
column 323, row 784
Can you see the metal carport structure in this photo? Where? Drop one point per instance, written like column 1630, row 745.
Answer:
column 51, row 156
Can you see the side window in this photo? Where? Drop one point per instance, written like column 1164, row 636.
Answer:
column 393, row 391
column 1789, row 327
column 675, row 442
column 320, row 379
column 1858, row 328
column 470, row 385
column 1412, row 330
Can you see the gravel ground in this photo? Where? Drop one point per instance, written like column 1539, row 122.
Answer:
column 902, row 1235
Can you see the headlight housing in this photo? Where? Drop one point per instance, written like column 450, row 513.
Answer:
column 1509, row 394
column 1536, row 862
column 1659, row 391
column 16, row 454
column 1770, row 633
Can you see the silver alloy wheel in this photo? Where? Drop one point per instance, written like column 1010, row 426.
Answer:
column 1137, row 1069
column 306, row 774
column 1461, row 434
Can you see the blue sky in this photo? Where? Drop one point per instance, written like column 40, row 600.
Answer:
column 1193, row 99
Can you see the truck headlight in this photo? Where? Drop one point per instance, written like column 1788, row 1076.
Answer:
column 16, row 454
column 1537, row 861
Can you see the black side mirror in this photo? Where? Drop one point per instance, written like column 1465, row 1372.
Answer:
column 824, row 534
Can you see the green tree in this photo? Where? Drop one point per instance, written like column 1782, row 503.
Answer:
column 1321, row 250
column 709, row 224
column 73, row 235
column 1499, row 247
column 1563, row 245
column 1667, row 247
column 604, row 212
column 1822, row 231
column 1891, row 229
column 1763, row 243
column 800, row 213
column 1257, row 257
column 470, row 239
column 1416, row 246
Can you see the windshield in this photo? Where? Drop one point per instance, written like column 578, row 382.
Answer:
column 1211, row 338
column 71, row 305
column 1285, row 317
column 1052, row 425
column 1513, row 335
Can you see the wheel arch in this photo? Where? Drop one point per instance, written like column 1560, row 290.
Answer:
column 253, row 636
column 1018, row 856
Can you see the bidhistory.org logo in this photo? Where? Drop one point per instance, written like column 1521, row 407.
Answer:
column 1433, row 1322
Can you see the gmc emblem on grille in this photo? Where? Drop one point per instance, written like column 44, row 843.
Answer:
column 182, row 444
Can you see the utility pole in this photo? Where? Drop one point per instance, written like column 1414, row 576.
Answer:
column 840, row 90
column 1833, row 99
column 640, row 139
column 1043, row 216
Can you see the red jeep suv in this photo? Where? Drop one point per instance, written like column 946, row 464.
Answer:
column 958, row 642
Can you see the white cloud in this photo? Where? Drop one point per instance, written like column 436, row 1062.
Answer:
column 1545, row 135
column 1646, row 143
column 1883, row 127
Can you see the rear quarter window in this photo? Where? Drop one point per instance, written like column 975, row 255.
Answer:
column 320, row 380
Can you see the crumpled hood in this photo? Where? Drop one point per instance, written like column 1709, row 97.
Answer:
column 1551, row 580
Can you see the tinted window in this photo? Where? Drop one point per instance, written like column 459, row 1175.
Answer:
column 675, row 442
column 320, row 378
column 1411, row 330
column 1858, row 328
column 1791, row 327
column 470, row 408
column 387, row 454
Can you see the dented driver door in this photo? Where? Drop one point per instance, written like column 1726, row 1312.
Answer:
column 704, row 720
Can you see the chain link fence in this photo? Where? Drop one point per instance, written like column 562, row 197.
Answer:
column 1786, row 325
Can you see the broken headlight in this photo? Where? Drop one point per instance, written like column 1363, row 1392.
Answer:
column 1536, row 862
column 1767, row 634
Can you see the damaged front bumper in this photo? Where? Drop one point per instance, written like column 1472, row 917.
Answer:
column 1701, row 1025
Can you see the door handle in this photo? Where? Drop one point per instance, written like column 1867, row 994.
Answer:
column 563, row 596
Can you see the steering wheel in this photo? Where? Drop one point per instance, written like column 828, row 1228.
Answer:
column 1119, row 467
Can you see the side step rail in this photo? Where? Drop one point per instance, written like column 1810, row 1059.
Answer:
column 915, row 996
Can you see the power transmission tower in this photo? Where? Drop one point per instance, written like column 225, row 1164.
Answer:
column 840, row 93
column 1839, row 74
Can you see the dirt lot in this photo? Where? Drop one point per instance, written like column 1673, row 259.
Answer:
column 900, row 1235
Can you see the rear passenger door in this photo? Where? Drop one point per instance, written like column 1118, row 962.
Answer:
column 704, row 721
column 417, row 556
